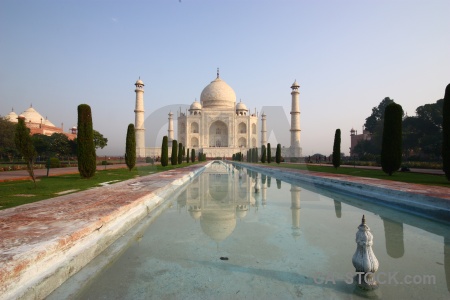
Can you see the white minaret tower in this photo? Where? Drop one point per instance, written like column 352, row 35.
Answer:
column 139, row 119
column 295, row 121
column 263, row 130
column 295, row 209
column 170, row 130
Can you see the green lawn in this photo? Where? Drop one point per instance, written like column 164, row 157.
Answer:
column 15, row 193
column 408, row 177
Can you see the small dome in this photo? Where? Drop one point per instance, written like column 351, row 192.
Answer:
column 139, row 82
column 12, row 117
column 218, row 94
column 241, row 106
column 295, row 85
column 195, row 214
column 195, row 105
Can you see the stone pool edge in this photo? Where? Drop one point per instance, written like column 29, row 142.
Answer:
column 36, row 270
column 433, row 207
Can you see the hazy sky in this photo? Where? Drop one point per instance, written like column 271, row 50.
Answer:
column 346, row 55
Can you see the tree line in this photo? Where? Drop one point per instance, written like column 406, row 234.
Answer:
column 421, row 133
column 56, row 145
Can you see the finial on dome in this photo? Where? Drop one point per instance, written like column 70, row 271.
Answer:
column 363, row 221
column 217, row 72
column 31, row 104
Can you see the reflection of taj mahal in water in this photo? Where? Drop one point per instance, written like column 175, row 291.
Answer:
column 229, row 194
column 218, row 126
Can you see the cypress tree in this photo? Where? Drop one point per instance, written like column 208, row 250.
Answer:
column 269, row 154
column 24, row 145
column 278, row 154
column 130, row 147
column 180, row 153
column 174, row 157
column 250, row 155
column 391, row 146
column 263, row 154
column 165, row 151
column 278, row 183
column 187, row 155
column 446, row 133
column 255, row 155
column 192, row 155
column 337, row 149
column 85, row 142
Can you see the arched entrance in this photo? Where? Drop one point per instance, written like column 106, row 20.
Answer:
column 218, row 134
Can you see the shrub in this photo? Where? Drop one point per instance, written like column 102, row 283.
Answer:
column 278, row 154
column 269, row 154
column 446, row 133
column 174, row 157
column 85, row 142
column 165, row 152
column 391, row 146
column 337, row 149
column 180, row 153
column 130, row 147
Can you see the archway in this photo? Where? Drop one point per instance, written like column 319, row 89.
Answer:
column 194, row 127
column 242, row 128
column 194, row 142
column 218, row 134
column 242, row 142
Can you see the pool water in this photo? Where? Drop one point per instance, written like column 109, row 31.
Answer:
column 219, row 239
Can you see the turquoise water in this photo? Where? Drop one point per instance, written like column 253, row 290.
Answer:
column 219, row 239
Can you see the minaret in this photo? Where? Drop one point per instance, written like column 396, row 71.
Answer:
column 295, row 121
column 139, row 119
column 263, row 130
column 170, row 130
column 295, row 209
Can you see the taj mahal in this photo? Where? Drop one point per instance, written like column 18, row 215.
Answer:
column 218, row 126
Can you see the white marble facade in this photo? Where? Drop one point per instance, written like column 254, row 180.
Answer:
column 216, row 125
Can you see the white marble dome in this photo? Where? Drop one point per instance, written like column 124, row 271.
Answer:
column 12, row 117
column 139, row 82
column 218, row 94
column 241, row 106
column 195, row 105
column 32, row 115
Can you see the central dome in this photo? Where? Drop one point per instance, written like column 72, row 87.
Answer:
column 218, row 94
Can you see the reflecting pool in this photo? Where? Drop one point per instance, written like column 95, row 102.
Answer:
column 219, row 239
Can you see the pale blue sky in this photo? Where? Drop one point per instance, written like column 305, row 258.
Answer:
column 346, row 55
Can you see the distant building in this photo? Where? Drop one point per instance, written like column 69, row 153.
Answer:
column 38, row 124
column 355, row 138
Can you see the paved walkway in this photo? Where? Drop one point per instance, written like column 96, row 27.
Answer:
column 418, row 189
column 413, row 170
